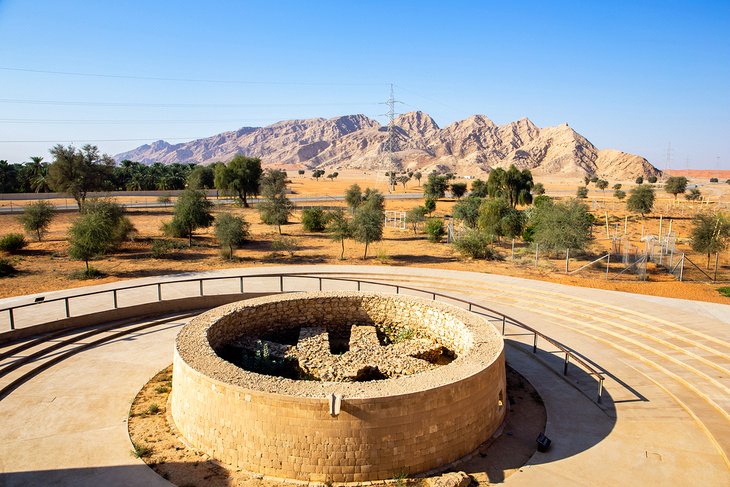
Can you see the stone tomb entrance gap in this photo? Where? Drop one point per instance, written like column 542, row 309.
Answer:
column 338, row 386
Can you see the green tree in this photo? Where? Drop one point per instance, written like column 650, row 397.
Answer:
column 314, row 219
column 641, row 199
column 353, row 197
column 652, row 179
column 368, row 222
column 475, row 245
column 339, row 228
column 37, row 217
column 317, row 173
column 37, row 173
column 192, row 211
column 114, row 214
column 275, row 208
column 467, row 210
column 202, row 178
column 435, row 230
column 581, row 192
column 675, row 185
column 93, row 234
column 231, row 232
column 619, row 194
column 498, row 219
column 513, row 185
column 435, row 186
column 77, row 172
column 538, row 189
column 479, row 188
column 417, row 176
column 640, row 180
column 710, row 234
column 430, row 205
column 414, row 216
column 300, row 172
column 458, row 190
column 561, row 225
column 240, row 176
column 693, row 195
column 617, row 186
column 602, row 184
column 403, row 180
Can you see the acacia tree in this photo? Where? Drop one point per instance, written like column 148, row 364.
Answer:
column 90, row 236
column 353, row 197
column 192, row 211
column 339, row 228
column 37, row 217
column 231, row 232
column 458, row 190
column 675, row 185
column 201, row 177
column 369, row 219
column 78, row 171
column 467, row 210
column 275, row 208
column 710, row 234
column 414, row 216
column 479, row 188
column 417, row 176
column 513, row 185
column 641, row 199
column 561, row 225
column 435, row 186
column 240, row 176
column 602, row 184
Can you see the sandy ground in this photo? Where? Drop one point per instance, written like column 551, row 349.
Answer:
column 45, row 266
column 151, row 429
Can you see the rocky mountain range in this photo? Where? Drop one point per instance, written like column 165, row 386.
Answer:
column 467, row 147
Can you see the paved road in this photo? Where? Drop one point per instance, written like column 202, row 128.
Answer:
column 664, row 418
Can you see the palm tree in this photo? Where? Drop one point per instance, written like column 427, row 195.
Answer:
column 37, row 174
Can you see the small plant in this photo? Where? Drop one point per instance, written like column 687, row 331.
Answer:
column 162, row 389
column 401, row 478
column 153, row 409
column 382, row 255
column 435, row 230
column 285, row 244
column 314, row 219
column 725, row 291
column 12, row 242
column 90, row 273
column 231, row 232
column 6, row 268
column 581, row 192
column 165, row 200
column 37, row 217
column 140, row 451
column 161, row 248
column 475, row 245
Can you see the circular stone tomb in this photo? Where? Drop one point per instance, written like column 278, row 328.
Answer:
column 341, row 387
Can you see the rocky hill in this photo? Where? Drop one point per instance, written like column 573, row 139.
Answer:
column 470, row 146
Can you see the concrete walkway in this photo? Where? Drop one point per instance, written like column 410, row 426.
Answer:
column 664, row 416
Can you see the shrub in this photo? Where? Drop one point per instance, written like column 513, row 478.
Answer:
column 165, row 200
column 713, row 180
column 139, row 451
column 84, row 274
column 12, row 242
column 6, row 268
column 231, row 232
column 561, row 225
column 475, row 244
column 36, row 218
column 192, row 211
column 285, row 244
column 163, row 249
column 435, row 230
column 314, row 219
column 153, row 409
column 113, row 214
column 693, row 195
column 641, row 199
column 725, row 291
column 652, row 179
column 581, row 192
column 640, row 180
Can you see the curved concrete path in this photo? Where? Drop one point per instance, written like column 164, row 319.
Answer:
column 664, row 418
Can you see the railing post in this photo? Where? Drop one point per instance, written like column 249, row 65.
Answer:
column 469, row 306
column 397, row 289
column 240, row 284
column 12, row 319
column 565, row 365
column 534, row 344
column 504, row 322
column 114, row 294
column 159, row 292
column 68, row 312
column 201, row 286
column 281, row 283
column 320, row 283
column 433, row 296
column 358, row 285
column 600, row 389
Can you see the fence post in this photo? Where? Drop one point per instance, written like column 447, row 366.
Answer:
column 681, row 268
column 537, row 250
column 608, row 263
column 513, row 250
column 717, row 260
column 567, row 259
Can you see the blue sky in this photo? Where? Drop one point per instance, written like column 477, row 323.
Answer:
column 634, row 76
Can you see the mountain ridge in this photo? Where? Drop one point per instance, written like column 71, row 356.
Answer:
column 471, row 146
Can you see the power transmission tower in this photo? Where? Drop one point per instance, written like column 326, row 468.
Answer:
column 390, row 146
column 668, row 164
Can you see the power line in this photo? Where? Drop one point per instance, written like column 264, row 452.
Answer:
column 95, row 140
column 120, row 121
column 186, row 80
column 175, row 105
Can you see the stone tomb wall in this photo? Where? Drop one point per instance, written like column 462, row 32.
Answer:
column 283, row 428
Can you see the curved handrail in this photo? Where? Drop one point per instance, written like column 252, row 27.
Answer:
column 569, row 354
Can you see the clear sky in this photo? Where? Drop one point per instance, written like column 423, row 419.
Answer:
column 634, row 76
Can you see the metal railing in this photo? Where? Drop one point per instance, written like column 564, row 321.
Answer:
column 569, row 355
